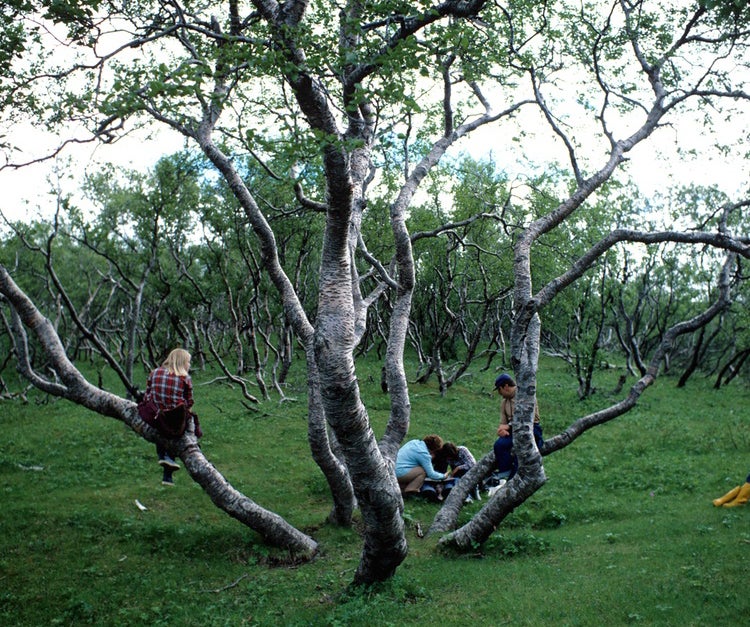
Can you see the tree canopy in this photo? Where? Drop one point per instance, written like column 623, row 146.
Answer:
column 319, row 127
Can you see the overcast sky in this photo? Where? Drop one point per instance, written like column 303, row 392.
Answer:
column 27, row 192
column 654, row 164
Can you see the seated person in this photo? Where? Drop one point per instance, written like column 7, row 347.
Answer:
column 507, row 464
column 414, row 463
column 458, row 458
column 454, row 460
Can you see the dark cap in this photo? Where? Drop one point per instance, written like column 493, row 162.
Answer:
column 504, row 379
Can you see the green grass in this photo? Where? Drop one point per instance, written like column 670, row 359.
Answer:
column 623, row 532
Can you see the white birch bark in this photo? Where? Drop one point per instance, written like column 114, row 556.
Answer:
column 73, row 386
column 528, row 305
column 516, row 491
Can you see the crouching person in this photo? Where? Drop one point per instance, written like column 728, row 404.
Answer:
column 414, row 464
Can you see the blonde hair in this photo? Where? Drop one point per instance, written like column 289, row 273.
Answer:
column 178, row 362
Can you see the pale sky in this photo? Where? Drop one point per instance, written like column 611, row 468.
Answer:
column 27, row 192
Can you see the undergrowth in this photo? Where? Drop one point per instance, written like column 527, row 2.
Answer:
column 622, row 533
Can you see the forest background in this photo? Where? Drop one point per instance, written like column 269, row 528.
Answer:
column 263, row 245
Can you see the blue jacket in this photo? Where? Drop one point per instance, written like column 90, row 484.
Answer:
column 412, row 454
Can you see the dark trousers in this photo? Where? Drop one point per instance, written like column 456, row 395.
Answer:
column 504, row 456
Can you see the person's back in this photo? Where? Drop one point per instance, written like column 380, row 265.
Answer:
column 414, row 463
column 169, row 386
column 408, row 455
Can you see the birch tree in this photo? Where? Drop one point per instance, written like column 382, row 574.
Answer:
column 332, row 88
column 663, row 83
column 197, row 68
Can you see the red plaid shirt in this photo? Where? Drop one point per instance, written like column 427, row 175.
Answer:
column 168, row 390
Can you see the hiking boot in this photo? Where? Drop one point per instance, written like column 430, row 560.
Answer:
column 169, row 464
column 168, row 482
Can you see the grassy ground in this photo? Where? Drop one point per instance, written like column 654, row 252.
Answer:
column 623, row 533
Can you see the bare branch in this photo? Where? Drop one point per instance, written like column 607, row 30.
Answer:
column 698, row 321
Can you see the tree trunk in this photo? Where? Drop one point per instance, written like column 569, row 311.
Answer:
column 72, row 386
column 384, row 541
column 732, row 368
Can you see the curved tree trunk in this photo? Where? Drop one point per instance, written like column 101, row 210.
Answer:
column 384, row 540
column 695, row 355
column 74, row 387
column 446, row 518
column 525, row 331
column 322, row 449
column 732, row 368
column 530, row 477
column 335, row 473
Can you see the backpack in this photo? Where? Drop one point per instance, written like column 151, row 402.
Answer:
column 170, row 423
